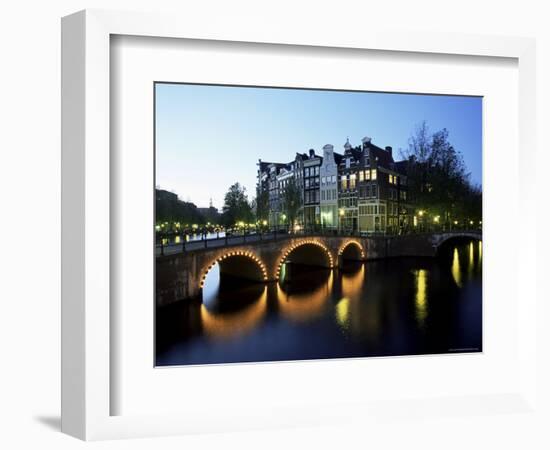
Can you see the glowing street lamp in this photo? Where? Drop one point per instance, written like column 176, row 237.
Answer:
column 264, row 223
column 420, row 213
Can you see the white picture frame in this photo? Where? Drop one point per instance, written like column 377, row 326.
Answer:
column 86, row 219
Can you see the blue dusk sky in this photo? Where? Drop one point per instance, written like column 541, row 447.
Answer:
column 209, row 137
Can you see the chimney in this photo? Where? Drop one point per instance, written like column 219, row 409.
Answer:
column 366, row 141
column 389, row 150
column 311, row 153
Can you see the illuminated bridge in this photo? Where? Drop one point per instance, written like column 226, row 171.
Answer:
column 181, row 269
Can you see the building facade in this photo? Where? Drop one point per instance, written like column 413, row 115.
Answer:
column 329, row 188
column 312, row 195
column 362, row 190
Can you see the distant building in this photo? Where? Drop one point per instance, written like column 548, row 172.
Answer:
column 329, row 188
column 311, row 203
column 361, row 190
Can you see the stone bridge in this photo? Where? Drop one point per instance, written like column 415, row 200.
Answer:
column 181, row 275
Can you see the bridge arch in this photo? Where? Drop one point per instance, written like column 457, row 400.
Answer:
column 446, row 239
column 352, row 249
column 302, row 243
column 251, row 266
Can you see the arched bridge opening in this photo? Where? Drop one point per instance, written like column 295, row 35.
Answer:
column 351, row 251
column 446, row 245
column 310, row 253
column 237, row 265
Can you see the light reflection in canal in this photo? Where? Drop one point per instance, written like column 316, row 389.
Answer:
column 421, row 300
column 388, row 307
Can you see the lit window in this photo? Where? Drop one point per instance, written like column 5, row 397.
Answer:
column 373, row 174
column 367, row 174
column 352, row 181
column 344, row 182
column 361, row 175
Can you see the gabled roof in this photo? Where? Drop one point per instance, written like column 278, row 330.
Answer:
column 402, row 166
column 384, row 158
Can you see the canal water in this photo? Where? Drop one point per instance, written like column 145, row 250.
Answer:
column 405, row 306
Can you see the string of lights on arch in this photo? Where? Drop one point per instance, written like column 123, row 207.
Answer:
column 295, row 245
column 347, row 243
column 246, row 254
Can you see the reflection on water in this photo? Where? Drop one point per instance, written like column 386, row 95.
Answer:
column 457, row 274
column 224, row 325
column 389, row 307
column 305, row 302
column 421, row 302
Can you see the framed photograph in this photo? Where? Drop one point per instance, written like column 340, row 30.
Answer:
column 331, row 253
column 251, row 218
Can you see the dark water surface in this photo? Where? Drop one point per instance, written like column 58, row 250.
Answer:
column 402, row 306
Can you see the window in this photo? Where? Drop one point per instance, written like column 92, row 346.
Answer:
column 307, row 183
column 344, row 182
column 373, row 174
column 352, row 181
column 361, row 175
column 374, row 191
column 323, row 180
column 347, row 163
column 317, row 170
column 322, row 195
column 334, row 178
column 367, row 174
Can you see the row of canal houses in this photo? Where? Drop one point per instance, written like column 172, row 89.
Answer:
column 360, row 190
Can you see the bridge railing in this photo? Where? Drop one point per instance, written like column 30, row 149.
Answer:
column 166, row 246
